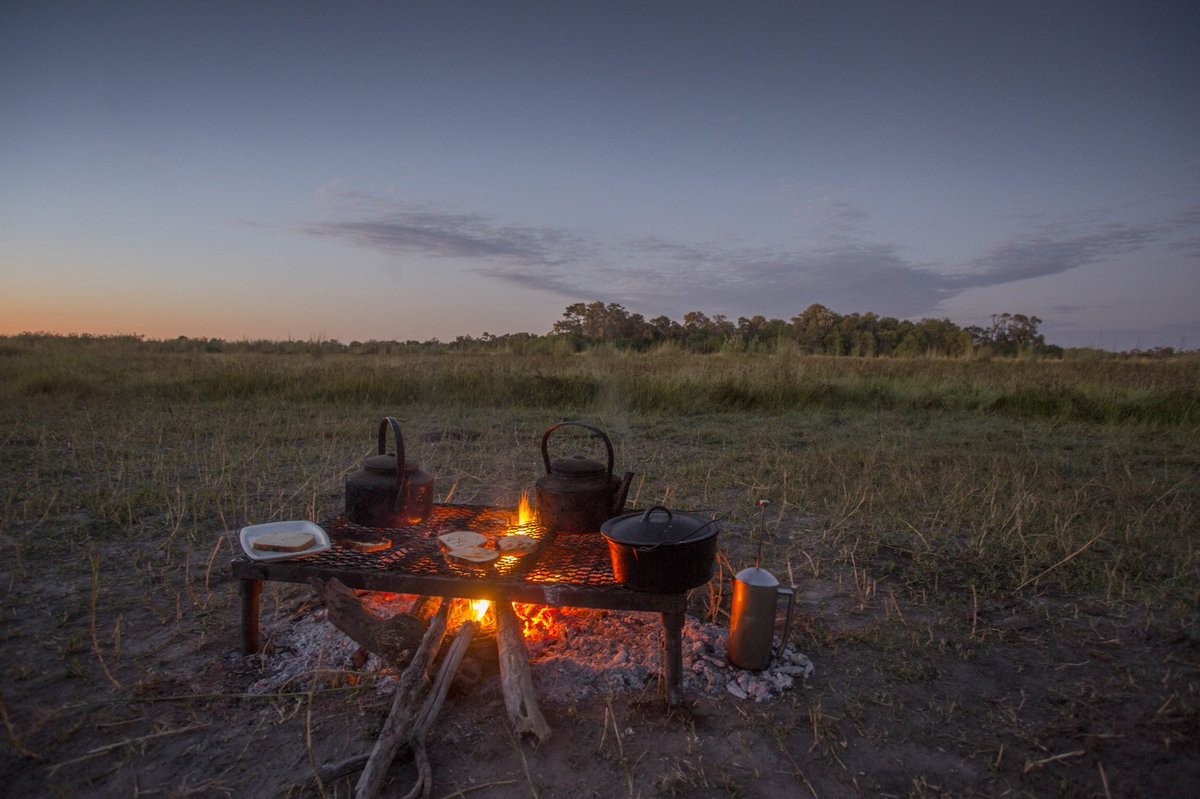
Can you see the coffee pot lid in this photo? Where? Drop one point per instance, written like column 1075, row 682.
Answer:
column 757, row 577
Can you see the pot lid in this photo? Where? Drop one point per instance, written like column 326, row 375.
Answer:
column 760, row 578
column 658, row 526
column 386, row 464
column 577, row 466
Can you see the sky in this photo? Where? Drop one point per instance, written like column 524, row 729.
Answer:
column 356, row 171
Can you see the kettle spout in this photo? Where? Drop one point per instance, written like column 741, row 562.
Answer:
column 621, row 492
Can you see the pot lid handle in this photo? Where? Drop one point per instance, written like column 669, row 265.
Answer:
column 401, row 479
column 652, row 508
column 595, row 431
column 682, row 538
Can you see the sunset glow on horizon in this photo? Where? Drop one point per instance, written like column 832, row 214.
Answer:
column 358, row 172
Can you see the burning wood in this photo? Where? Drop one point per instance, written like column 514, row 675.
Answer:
column 515, row 679
column 406, row 726
column 398, row 722
column 392, row 638
column 537, row 621
column 403, row 727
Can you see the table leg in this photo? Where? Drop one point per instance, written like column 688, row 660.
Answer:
column 673, row 637
column 251, row 591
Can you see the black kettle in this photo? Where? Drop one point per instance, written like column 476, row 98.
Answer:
column 389, row 491
column 577, row 495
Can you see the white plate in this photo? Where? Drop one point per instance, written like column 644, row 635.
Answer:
column 249, row 534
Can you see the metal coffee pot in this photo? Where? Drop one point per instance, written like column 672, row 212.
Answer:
column 389, row 491
column 756, row 594
column 577, row 495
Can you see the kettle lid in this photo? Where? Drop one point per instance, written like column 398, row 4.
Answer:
column 577, row 466
column 386, row 464
column 760, row 578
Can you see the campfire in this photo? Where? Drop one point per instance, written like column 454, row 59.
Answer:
column 524, row 525
column 411, row 639
column 398, row 574
column 406, row 641
column 535, row 620
column 577, row 653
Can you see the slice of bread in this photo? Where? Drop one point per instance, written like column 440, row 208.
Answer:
column 462, row 538
column 472, row 556
column 516, row 545
column 284, row 542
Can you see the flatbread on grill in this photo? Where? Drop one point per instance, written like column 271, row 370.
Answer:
column 284, row 542
column 462, row 538
column 366, row 543
column 516, row 545
column 472, row 556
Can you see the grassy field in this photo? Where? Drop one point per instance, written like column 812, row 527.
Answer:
column 994, row 471
column 916, row 488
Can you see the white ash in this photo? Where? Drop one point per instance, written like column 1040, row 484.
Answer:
column 583, row 653
column 307, row 650
column 599, row 652
column 306, row 653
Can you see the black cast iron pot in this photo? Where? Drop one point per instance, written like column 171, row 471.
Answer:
column 661, row 552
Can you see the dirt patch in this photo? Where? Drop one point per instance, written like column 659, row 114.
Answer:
column 139, row 689
column 945, row 664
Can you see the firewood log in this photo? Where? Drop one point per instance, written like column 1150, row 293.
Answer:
column 392, row 639
column 404, row 727
column 515, row 679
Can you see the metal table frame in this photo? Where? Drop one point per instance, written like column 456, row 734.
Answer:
column 600, row 592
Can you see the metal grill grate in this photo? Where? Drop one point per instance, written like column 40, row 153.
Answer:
column 576, row 559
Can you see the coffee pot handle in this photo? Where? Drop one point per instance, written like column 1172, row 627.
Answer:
column 790, row 593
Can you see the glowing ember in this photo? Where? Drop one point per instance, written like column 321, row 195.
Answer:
column 538, row 621
column 480, row 608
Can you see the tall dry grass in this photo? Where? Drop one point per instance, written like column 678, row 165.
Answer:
column 1164, row 392
column 989, row 478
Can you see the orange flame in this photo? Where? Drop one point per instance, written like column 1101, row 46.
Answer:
column 480, row 608
column 525, row 514
column 537, row 621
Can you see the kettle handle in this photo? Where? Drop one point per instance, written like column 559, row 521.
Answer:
column 595, row 431
column 398, row 501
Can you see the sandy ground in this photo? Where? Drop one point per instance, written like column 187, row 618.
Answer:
column 120, row 683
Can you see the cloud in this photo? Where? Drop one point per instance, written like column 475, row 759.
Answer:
column 839, row 217
column 658, row 277
column 845, row 271
column 538, row 279
column 1051, row 252
column 450, row 235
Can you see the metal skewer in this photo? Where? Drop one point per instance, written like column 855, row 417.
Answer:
column 762, row 511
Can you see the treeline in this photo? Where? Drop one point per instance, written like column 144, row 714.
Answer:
column 816, row 331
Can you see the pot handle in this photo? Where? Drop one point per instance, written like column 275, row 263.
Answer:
column 790, row 593
column 595, row 431
column 683, row 539
column 398, row 501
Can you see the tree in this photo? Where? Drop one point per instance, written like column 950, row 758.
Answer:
column 1011, row 334
column 663, row 328
column 816, row 330
column 811, row 327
